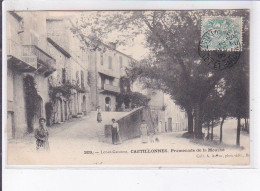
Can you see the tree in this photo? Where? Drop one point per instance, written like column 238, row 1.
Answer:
column 238, row 81
column 173, row 64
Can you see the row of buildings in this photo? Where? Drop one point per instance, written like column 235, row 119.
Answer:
column 55, row 72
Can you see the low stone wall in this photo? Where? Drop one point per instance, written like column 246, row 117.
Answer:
column 129, row 125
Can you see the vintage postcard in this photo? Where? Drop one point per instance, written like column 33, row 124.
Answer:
column 128, row 88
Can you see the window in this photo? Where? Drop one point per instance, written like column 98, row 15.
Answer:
column 82, row 79
column 34, row 39
column 110, row 62
column 77, row 77
column 121, row 61
column 111, row 82
column 10, row 85
column 101, row 58
column 63, row 75
column 21, row 27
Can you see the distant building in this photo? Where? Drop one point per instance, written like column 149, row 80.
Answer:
column 175, row 116
column 106, row 68
column 157, row 105
column 167, row 116
column 28, row 67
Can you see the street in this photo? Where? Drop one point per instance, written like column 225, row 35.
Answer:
column 69, row 141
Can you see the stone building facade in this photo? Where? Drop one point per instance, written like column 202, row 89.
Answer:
column 56, row 73
column 72, row 70
column 47, row 69
column 167, row 116
column 28, row 67
column 107, row 66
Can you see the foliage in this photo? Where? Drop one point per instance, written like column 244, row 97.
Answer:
column 31, row 100
column 173, row 64
column 138, row 99
column 65, row 89
column 135, row 98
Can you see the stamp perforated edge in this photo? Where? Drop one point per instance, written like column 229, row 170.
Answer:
column 241, row 33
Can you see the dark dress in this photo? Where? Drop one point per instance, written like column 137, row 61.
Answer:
column 41, row 135
column 99, row 117
column 115, row 135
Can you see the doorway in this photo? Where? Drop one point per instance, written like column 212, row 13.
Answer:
column 170, row 124
column 84, row 105
column 10, row 125
column 49, row 113
column 107, row 104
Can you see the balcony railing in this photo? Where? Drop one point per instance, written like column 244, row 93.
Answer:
column 112, row 88
column 42, row 57
column 17, row 59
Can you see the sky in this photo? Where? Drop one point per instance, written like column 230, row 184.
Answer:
column 135, row 49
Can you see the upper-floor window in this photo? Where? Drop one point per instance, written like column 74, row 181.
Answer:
column 34, row 39
column 110, row 62
column 111, row 82
column 101, row 58
column 82, row 79
column 21, row 26
column 63, row 75
column 121, row 61
column 77, row 77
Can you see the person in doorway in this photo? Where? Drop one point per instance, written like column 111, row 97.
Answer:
column 99, row 116
column 144, row 132
column 41, row 135
column 123, row 106
column 107, row 106
column 115, row 132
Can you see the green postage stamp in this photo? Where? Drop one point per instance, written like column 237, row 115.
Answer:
column 221, row 33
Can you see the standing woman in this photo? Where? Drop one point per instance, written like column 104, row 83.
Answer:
column 115, row 132
column 41, row 135
column 99, row 117
column 144, row 132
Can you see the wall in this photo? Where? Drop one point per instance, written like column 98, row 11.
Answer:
column 59, row 29
column 179, row 118
column 157, row 99
column 31, row 30
column 99, row 61
column 19, row 105
column 102, row 97
column 129, row 125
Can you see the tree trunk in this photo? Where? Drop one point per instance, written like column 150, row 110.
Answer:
column 212, row 126
column 246, row 125
column 238, row 131
column 208, row 131
column 198, row 124
column 221, row 126
column 190, row 121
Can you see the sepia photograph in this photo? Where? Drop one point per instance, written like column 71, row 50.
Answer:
column 128, row 87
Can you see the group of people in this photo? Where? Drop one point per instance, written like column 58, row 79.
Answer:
column 41, row 134
column 146, row 133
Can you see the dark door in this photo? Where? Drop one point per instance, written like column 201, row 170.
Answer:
column 170, row 124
